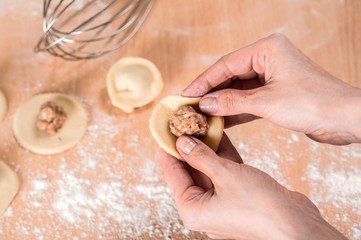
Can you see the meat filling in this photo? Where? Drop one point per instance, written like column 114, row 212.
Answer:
column 51, row 117
column 187, row 121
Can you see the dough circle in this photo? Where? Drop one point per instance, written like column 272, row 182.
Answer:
column 159, row 124
column 31, row 137
column 133, row 82
column 3, row 106
column 9, row 185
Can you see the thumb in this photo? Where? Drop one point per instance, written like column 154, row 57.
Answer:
column 229, row 102
column 201, row 157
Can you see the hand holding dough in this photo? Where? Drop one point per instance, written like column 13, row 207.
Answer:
column 9, row 185
column 3, row 106
column 159, row 124
column 133, row 82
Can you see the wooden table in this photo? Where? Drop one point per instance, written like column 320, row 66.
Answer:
column 110, row 185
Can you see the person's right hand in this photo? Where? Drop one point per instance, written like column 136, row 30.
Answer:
column 274, row 80
column 217, row 194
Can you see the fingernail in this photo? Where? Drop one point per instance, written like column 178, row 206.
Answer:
column 209, row 104
column 186, row 144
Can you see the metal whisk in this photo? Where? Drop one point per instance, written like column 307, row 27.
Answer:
column 84, row 29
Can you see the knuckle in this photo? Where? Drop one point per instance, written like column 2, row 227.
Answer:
column 205, row 85
column 262, row 101
column 277, row 40
column 278, row 36
column 228, row 101
column 198, row 153
column 228, row 73
column 204, row 158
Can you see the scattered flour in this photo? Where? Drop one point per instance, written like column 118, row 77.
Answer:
column 336, row 188
column 340, row 187
column 295, row 137
column 101, row 195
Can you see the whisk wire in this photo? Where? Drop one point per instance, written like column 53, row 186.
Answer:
column 93, row 38
column 73, row 15
column 72, row 50
column 52, row 30
column 75, row 32
column 89, row 39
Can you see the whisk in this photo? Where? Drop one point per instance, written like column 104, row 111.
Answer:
column 85, row 29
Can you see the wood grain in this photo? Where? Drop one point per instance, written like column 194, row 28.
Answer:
column 182, row 38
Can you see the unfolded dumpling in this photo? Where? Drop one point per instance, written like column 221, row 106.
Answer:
column 30, row 136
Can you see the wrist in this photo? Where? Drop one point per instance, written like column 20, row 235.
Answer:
column 342, row 119
column 317, row 229
column 302, row 220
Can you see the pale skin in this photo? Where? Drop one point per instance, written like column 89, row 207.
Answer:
column 217, row 193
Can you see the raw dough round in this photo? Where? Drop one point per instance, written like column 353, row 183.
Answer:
column 159, row 124
column 133, row 82
column 9, row 185
column 38, row 141
column 3, row 106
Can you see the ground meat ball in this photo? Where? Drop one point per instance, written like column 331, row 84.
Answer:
column 187, row 121
column 51, row 117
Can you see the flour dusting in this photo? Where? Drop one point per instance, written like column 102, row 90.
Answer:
column 99, row 192
column 335, row 188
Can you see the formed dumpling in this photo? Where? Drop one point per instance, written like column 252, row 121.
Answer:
column 133, row 82
column 160, row 130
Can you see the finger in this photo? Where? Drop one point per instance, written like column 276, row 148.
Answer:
column 228, row 151
column 238, row 83
column 231, row 121
column 251, row 61
column 201, row 157
column 238, row 63
column 246, row 84
column 178, row 179
column 199, row 178
column 223, row 85
column 229, row 102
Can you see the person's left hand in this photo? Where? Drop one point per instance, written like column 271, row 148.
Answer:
column 221, row 196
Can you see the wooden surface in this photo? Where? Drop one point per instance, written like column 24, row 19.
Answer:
column 110, row 185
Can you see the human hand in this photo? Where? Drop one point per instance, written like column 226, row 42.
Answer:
column 221, row 196
column 274, row 80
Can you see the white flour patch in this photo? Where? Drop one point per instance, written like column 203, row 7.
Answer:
column 72, row 200
column 340, row 187
column 295, row 137
column 40, row 185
